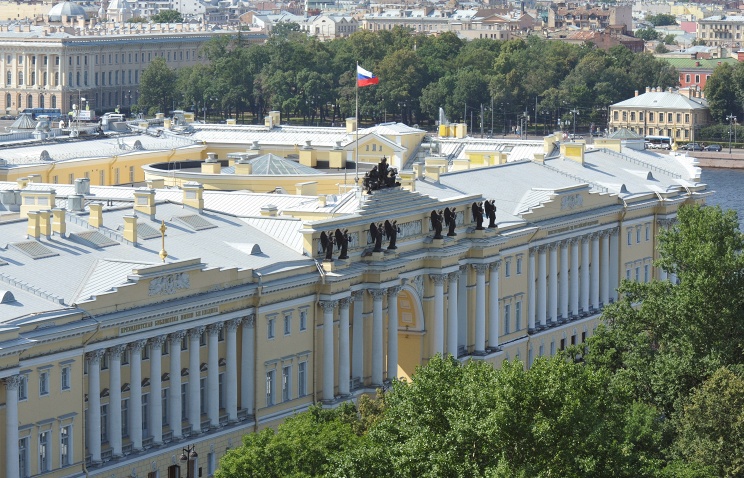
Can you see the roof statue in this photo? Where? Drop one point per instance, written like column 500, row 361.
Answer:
column 382, row 176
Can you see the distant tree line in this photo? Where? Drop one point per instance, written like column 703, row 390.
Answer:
column 658, row 393
column 315, row 81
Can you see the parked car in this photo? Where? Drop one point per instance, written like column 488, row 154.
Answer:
column 713, row 147
column 575, row 136
column 7, row 117
column 694, row 147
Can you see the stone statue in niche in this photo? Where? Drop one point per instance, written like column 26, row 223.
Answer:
column 437, row 218
column 477, row 209
column 450, row 220
column 490, row 208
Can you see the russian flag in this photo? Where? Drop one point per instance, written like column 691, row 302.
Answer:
column 365, row 78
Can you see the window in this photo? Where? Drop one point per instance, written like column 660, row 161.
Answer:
column 287, row 324
column 104, row 423
column 519, row 265
column 20, row 78
column 630, row 237
column 648, row 232
column 116, row 176
column 650, row 116
column 202, row 395
column 45, row 457
column 66, row 371
column 269, row 388
column 184, row 401
column 638, row 235
column 669, row 118
column 645, row 273
column 552, row 348
column 9, row 80
column 627, row 274
column 302, row 379
column 125, row 417
column 637, row 274
column 102, row 178
column 221, row 388
column 507, row 318
column 697, row 78
column 104, row 362
column 210, row 464
column 184, row 343
column 65, row 450
column 44, row 382
column 202, row 339
column 23, row 387
column 679, row 117
column 145, row 415
column 220, row 334
column 146, row 353
column 687, row 117
column 541, row 350
column 303, row 320
column 23, row 458
column 165, row 349
column 687, row 78
column 615, row 115
column 131, row 174
column 640, row 116
column 286, row 374
column 632, row 116
column 270, row 332
column 507, row 268
column 518, row 315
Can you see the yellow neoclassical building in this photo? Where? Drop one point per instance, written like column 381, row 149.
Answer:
column 135, row 323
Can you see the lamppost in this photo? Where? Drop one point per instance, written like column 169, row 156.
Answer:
column 503, row 109
column 731, row 119
column 190, row 457
column 575, row 112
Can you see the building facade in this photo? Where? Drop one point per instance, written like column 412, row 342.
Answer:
column 235, row 315
column 721, row 30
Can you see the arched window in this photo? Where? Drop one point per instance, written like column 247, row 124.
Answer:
column 54, row 101
column 29, row 101
column 41, row 101
column 8, row 101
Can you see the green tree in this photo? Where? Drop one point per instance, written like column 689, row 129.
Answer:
column 662, row 19
column 137, row 19
column 167, row 16
column 156, row 86
column 711, row 425
column 721, row 92
column 647, row 34
column 285, row 29
column 660, row 48
column 670, row 39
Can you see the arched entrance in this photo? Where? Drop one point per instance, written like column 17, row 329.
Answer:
column 410, row 332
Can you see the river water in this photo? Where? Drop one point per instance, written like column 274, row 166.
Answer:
column 727, row 184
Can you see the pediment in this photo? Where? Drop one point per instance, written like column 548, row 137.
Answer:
column 539, row 204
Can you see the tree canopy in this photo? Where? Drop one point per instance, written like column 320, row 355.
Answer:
column 167, row 16
column 156, row 86
column 661, row 19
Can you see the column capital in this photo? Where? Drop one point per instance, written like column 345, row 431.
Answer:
column 454, row 276
column 12, row 382
column 480, row 269
column 232, row 325
column 157, row 342
column 249, row 320
column 357, row 295
column 137, row 345
column 532, row 251
column 95, row 356
column 177, row 336
column 495, row 265
column 377, row 294
column 196, row 331
column 214, row 329
column 438, row 279
column 554, row 245
column 574, row 240
column 394, row 290
column 116, row 351
column 595, row 235
column 327, row 305
column 344, row 302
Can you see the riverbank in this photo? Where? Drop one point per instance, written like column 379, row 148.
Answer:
column 721, row 159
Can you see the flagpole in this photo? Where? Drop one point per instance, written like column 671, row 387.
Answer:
column 356, row 119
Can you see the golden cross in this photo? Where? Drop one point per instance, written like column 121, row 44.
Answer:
column 162, row 254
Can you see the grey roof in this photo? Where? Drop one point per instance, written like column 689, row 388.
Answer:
column 24, row 121
column 271, row 164
column 664, row 100
column 727, row 18
column 515, row 150
column 68, row 9
column 624, row 133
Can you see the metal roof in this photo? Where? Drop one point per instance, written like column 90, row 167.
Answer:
column 271, row 164
column 664, row 100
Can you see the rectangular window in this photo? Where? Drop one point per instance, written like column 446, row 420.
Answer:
column 687, row 78
column 65, row 378
column 679, row 117
column 302, row 379
column 648, row 232
column 145, row 415
column 638, row 235
column 541, row 350
column 221, row 388
column 44, row 382
column 286, row 377
column 202, row 339
column 165, row 350
column 627, row 274
column 645, row 273
column 164, row 404
column 519, row 265
column 669, row 118
column 116, row 176
column 184, row 401
column 125, row 417
column 637, row 274
column 650, row 116
column 287, row 324
column 303, row 320
column 270, row 388
column 23, row 458
column 185, row 343
column 23, row 388
column 104, row 423
column 65, row 445
column 45, row 456
column 210, row 464
column 202, row 395
column 507, row 318
column 131, row 174
column 518, row 316
column 146, row 352
column 630, row 237
column 507, row 269
column 697, row 78
column 552, row 348
column 687, row 117
column 270, row 330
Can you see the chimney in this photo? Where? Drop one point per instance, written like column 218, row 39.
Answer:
column 22, row 182
column 573, row 151
column 211, row 165
column 45, row 223
column 82, row 186
column 33, row 230
column 539, row 158
column 130, row 228
column 243, row 166
column 59, row 226
column 351, row 125
column 75, row 203
column 648, row 89
column 322, row 200
column 144, row 202
column 269, row 210
column 418, row 170
column 95, row 218
column 156, row 183
column 636, row 92
column 34, row 178
column 37, row 200
column 193, row 195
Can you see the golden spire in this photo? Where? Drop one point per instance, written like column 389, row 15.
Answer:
column 162, row 254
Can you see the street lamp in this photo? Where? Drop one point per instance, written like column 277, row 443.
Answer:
column 190, row 457
column 731, row 119
column 575, row 112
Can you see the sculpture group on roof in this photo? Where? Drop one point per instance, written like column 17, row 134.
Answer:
column 382, row 176
column 338, row 238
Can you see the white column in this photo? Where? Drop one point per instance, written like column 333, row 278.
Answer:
column 213, row 375
column 575, row 276
column 194, row 382
column 156, row 387
column 594, row 282
column 438, row 335
column 462, row 308
column 480, row 308
column 344, row 363
column 247, row 365
column 329, row 372
column 564, row 281
column 542, row 307
column 377, row 295
column 231, row 369
column 392, row 348
column 494, row 324
column 604, row 283
column 452, row 316
column 11, row 425
column 585, row 274
column 553, row 285
column 94, row 406
column 174, row 391
column 531, row 292
column 614, row 262
column 357, row 339
column 115, row 399
column 135, row 394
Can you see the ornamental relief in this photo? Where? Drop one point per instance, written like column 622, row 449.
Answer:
column 170, row 284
